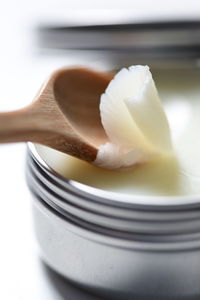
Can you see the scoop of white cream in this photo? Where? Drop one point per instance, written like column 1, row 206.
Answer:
column 134, row 120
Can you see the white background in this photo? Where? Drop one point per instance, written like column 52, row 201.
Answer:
column 22, row 275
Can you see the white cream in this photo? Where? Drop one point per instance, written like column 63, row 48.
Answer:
column 134, row 120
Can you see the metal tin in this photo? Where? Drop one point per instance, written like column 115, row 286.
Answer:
column 119, row 246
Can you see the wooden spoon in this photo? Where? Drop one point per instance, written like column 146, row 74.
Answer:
column 64, row 116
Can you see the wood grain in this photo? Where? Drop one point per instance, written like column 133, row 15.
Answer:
column 64, row 115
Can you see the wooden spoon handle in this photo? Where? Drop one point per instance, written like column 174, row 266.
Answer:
column 33, row 125
column 17, row 126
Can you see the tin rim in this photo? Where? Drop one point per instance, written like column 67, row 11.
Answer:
column 108, row 216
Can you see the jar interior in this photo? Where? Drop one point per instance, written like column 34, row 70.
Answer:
column 179, row 91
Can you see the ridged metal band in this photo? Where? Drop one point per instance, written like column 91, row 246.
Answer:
column 126, row 220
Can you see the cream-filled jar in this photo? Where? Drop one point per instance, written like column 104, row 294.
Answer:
column 127, row 234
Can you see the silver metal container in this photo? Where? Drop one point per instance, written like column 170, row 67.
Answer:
column 118, row 246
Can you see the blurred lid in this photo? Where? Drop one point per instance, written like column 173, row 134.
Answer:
column 125, row 34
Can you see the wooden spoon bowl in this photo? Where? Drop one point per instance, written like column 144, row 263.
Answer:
column 64, row 115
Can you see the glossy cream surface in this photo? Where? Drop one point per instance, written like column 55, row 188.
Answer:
column 179, row 91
